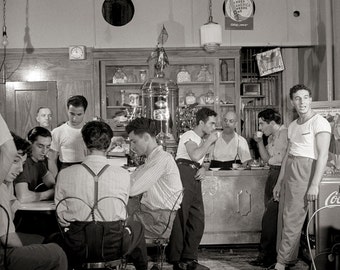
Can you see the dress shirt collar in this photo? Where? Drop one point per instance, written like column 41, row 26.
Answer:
column 95, row 158
column 155, row 151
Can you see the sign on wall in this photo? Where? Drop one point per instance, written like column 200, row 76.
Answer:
column 239, row 14
column 269, row 62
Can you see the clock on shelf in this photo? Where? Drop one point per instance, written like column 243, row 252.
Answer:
column 77, row 52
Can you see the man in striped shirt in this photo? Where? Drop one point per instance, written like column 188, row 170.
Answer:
column 157, row 181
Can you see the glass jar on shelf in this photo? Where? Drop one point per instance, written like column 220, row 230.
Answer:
column 210, row 97
column 142, row 75
column 204, row 74
column 183, row 76
column 190, row 98
column 119, row 76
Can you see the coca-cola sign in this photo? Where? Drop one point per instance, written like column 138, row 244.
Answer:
column 333, row 198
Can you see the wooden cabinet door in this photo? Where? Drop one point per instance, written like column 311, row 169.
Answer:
column 23, row 100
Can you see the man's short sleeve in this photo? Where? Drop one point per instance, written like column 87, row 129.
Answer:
column 5, row 135
column 55, row 141
column 321, row 125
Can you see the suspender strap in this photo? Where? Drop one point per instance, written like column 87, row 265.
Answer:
column 95, row 178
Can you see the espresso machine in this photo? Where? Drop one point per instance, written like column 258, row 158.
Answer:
column 159, row 102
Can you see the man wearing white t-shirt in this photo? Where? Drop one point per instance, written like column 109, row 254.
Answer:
column 67, row 142
column 301, row 172
column 188, row 226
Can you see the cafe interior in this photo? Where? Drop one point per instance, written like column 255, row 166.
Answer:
column 167, row 59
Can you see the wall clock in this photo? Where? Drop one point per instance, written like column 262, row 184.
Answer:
column 77, row 52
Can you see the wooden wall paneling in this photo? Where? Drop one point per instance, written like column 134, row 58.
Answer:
column 22, row 101
column 71, row 88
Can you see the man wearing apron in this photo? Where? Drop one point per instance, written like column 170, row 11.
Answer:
column 188, row 227
column 301, row 172
column 230, row 147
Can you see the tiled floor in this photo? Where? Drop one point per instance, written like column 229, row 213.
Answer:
column 229, row 259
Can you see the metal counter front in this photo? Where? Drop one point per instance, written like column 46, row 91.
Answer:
column 234, row 205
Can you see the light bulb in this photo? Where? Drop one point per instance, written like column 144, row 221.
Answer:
column 4, row 41
column 4, row 36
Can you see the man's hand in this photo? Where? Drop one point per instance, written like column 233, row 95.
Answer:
column 276, row 191
column 312, row 193
column 200, row 174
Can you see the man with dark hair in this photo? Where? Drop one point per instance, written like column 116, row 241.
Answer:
column 77, row 181
column 67, row 142
column 272, row 153
column 188, row 227
column 44, row 117
column 19, row 257
column 302, row 169
column 36, row 182
column 157, row 181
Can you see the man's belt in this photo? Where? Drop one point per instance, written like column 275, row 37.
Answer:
column 194, row 165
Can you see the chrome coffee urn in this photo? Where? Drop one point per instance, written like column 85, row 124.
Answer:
column 160, row 102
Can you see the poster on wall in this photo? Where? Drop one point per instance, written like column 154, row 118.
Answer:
column 239, row 14
column 269, row 62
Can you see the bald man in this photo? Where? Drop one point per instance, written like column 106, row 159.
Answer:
column 230, row 147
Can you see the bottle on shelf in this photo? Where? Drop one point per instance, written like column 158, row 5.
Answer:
column 224, row 70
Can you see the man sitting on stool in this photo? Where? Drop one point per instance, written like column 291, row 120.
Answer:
column 157, row 181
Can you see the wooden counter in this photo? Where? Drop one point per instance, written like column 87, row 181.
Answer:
column 234, row 205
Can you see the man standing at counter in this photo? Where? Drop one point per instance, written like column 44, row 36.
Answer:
column 272, row 153
column 188, row 227
column 230, row 147
column 302, row 170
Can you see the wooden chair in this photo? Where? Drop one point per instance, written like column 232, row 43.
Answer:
column 118, row 264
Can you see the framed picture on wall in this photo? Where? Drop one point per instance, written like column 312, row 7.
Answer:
column 251, row 89
column 269, row 62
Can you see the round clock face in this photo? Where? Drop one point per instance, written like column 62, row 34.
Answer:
column 77, row 52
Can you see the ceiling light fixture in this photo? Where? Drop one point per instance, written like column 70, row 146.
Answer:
column 211, row 33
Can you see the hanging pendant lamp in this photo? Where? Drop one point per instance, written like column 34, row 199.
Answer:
column 211, row 33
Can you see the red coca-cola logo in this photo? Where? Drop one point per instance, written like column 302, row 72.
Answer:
column 333, row 198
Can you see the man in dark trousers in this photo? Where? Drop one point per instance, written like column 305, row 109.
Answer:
column 188, row 227
column 272, row 153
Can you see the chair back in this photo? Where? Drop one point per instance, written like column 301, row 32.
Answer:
column 92, row 240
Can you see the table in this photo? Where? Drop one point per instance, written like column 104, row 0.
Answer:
column 37, row 206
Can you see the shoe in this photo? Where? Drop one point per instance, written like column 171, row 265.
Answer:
column 179, row 266
column 194, row 265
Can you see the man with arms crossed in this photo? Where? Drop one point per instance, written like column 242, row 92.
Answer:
column 67, row 142
column 157, row 181
column 302, row 170
column 188, row 227
column 19, row 257
column 272, row 153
